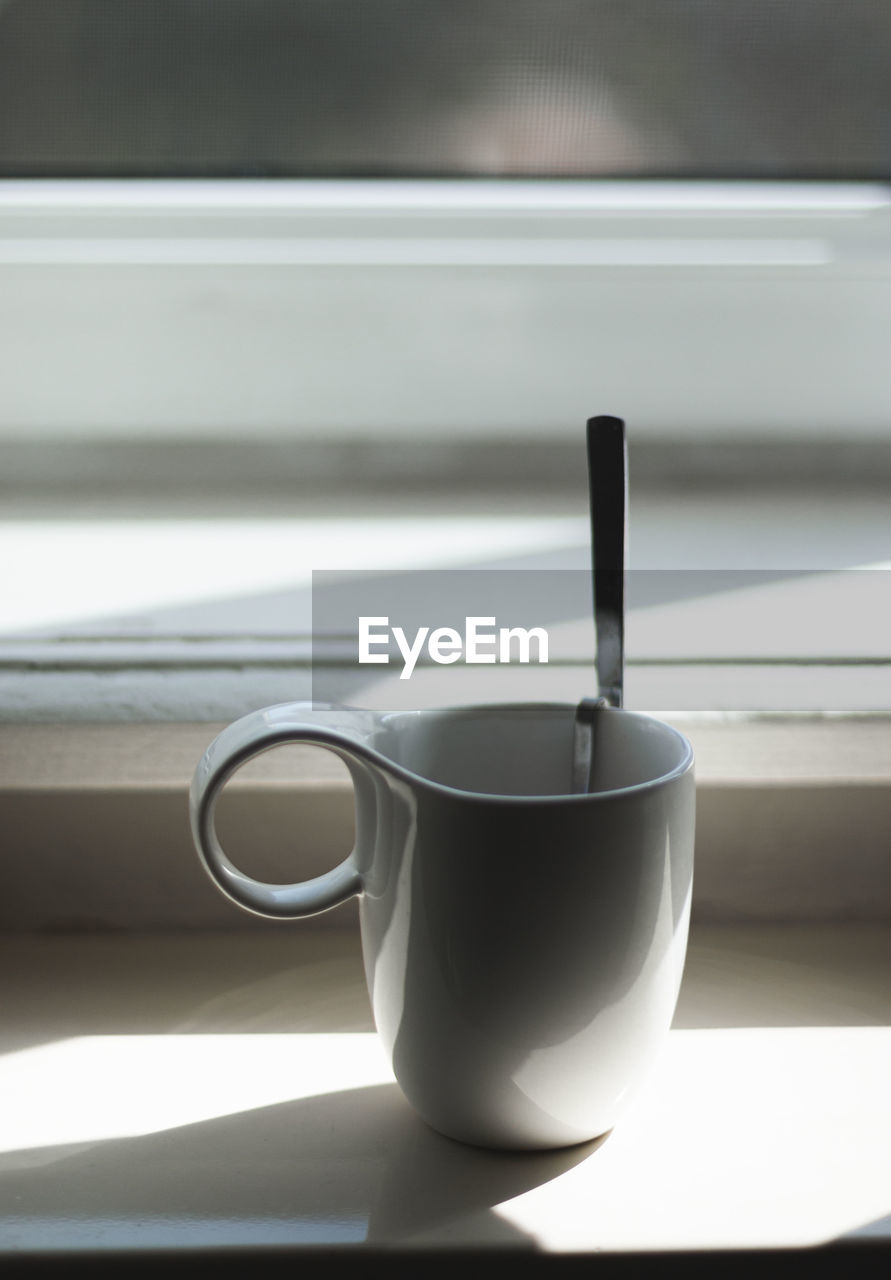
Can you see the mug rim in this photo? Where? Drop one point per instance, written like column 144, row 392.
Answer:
column 684, row 765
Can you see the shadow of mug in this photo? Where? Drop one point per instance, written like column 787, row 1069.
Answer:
column 344, row 1167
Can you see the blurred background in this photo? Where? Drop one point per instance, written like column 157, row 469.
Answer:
column 289, row 285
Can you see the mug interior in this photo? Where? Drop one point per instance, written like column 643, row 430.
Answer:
column 527, row 750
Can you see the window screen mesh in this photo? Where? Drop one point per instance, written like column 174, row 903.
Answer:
column 387, row 88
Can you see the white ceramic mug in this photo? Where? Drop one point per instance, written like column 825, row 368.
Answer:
column 523, row 945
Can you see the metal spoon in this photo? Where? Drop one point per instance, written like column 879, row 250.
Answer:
column 608, row 498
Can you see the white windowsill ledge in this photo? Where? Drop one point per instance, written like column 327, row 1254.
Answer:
column 141, row 1066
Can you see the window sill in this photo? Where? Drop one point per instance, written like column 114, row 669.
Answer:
column 779, row 1047
column 105, row 717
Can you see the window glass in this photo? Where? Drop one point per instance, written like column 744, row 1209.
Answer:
column 383, row 88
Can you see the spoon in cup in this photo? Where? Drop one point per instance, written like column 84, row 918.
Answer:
column 608, row 498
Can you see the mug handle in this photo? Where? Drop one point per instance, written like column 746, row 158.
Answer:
column 340, row 730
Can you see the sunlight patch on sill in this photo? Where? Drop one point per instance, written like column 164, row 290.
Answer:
column 801, row 1172
column 119, row 1086
column 63, row 574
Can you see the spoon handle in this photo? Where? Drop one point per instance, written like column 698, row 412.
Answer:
column 608, row 488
